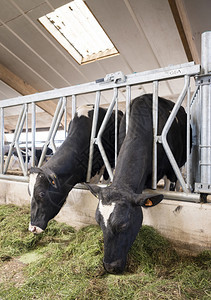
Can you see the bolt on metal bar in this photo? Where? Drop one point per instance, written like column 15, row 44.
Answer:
column 166, row 130
column 155, row 130
column 102, row 128
column 93, row 134
column 2, row 140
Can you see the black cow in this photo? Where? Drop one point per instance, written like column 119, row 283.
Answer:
column 119, row 211
column 50, row 184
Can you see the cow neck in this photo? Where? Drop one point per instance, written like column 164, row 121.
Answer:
column 134, row 161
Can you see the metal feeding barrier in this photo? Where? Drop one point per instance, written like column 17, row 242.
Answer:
column 198, row 109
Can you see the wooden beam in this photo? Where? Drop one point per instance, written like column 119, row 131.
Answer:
column 24, row 88
column 184, row 28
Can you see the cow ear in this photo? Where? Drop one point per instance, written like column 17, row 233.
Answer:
column 35, row 170
column 94, row 189
column 148, row 200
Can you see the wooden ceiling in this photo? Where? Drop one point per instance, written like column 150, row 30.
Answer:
column 148, row 34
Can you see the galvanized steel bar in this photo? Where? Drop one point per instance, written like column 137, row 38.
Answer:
column 206, row 111
column 15, row 137
column 56, row 126
column 116, row 130
column 73, row 105
column 51, row 130
column 176, row 71
column 102, row 128
column 188, row 146
column 33, row 132
column 155, row 130
column 93, row 134
column 165, row 132
column 20, row 129
column 181, row 196
column 2, row 140
column 128, row 101
column 26, row 140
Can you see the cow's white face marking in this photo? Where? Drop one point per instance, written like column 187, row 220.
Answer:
column 32, row 181
column 83, row 110
column 106, row 211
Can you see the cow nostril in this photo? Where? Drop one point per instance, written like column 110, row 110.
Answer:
column 115, row 267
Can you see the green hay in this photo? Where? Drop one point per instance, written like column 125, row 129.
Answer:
column 64, row 264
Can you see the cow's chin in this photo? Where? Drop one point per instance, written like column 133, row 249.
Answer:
column 35, row 229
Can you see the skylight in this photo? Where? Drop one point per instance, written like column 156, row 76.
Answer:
column 77, row 30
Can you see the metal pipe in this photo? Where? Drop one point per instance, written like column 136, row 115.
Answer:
column 93, row 133
column 56, row 126
column 73, row 106
column 15, row 178
column 188, row 149
column 175, row 195
column 33, row 131
column 47, row 142
column 206, row 111
column 26, row 141
column 102, row 128
column 20, row 156
column 2, row 141
column 128, row 101
column 14, row 139
column 165, row 132
column 116, row 130
column 155, row 129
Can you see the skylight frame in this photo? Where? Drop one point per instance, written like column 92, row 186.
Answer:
column 82, row 21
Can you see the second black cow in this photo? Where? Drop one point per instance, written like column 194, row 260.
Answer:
column 50, row 184
column 119, row 211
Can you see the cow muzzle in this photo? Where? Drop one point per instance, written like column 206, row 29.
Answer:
column 35, row 229
column 115, row 267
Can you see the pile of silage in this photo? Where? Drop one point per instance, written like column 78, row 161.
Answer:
column 62, row 263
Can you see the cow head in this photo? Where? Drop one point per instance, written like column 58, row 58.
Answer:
column 47, row 198
column 119, row 215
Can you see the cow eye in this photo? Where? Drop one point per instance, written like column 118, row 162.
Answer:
column 42, row 194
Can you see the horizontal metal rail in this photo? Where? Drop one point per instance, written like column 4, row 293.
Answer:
column 167, row 73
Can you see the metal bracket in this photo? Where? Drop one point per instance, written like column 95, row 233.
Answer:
column 117, row 77
column 202, row 188
column 203, row 80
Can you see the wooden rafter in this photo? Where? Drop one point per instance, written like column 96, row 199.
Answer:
column 24, row 88
column 184, row 29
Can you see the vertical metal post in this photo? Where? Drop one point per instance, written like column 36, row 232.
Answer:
column 128, row 101
column 26, row 140
column 116, row 130
column 73, row 105
column 155, row 129
column 206, row 112
column 188, row 141
column 33, row 131
column 93, row 134
column 2, row 141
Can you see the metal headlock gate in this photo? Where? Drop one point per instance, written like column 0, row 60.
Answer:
column 198, row 166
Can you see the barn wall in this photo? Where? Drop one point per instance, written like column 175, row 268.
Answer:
column 187, row 224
